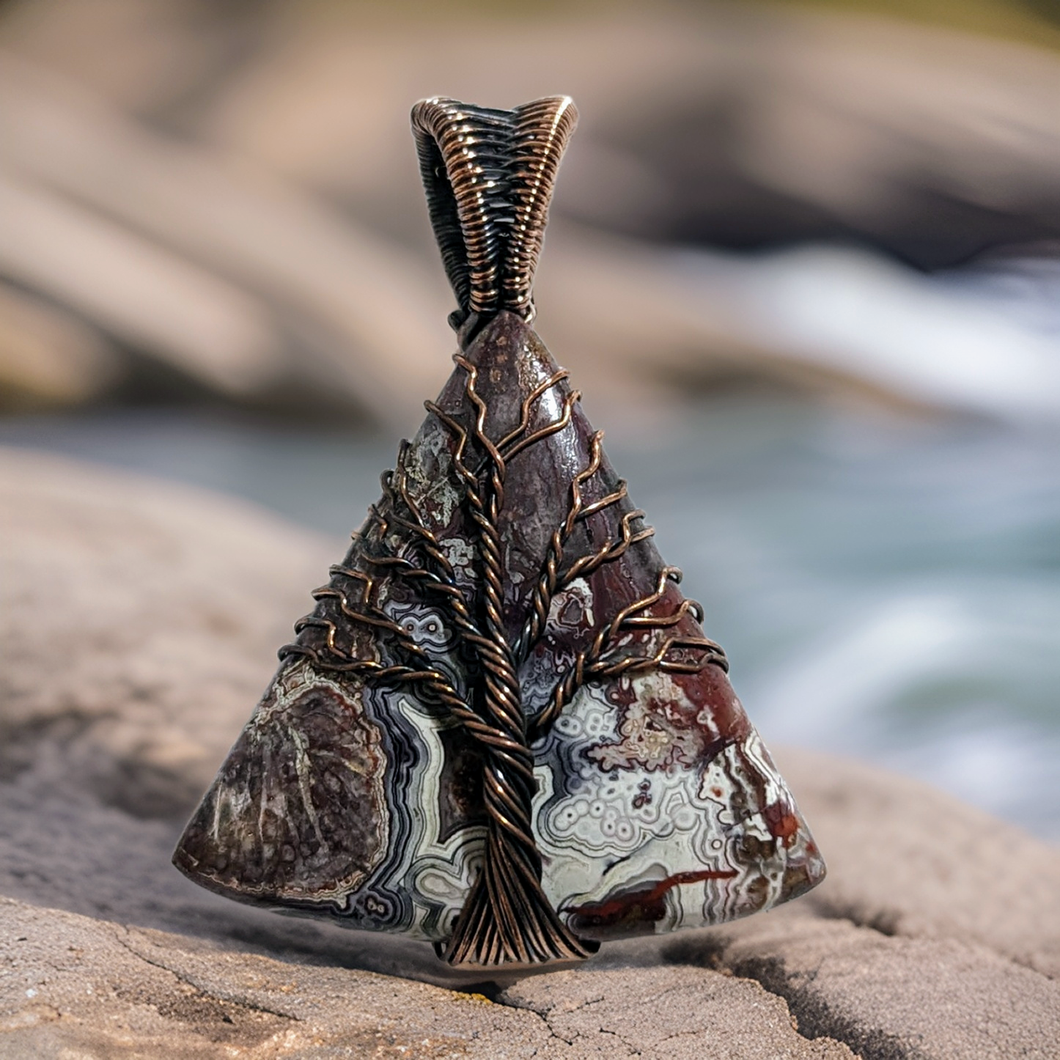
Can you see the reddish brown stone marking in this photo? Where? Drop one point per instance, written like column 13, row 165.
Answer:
column 646, row 906
column 783, row 824
column 658, row 734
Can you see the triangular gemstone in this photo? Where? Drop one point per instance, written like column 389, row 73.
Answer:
column 502, row 729
column 356, row 790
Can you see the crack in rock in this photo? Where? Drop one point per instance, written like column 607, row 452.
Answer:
column 667, row 1011
column 869, row 990
column 202, row 991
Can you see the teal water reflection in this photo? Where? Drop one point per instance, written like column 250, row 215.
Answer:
column 886, row 588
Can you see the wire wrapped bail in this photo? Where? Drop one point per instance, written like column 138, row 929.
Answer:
column 489, row 176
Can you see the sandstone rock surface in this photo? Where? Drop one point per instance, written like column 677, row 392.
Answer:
column 139, row 625
column 135, row 616
column 103, row 989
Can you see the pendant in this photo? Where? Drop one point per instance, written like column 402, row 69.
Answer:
column 502, row 729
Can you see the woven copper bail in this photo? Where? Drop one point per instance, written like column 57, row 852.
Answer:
column 489, row 176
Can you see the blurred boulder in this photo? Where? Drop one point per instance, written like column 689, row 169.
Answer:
column 127, row 626
column 227, row 195
column 724, row 125
column 930, row 145
column 248, row 288
column 49, row 358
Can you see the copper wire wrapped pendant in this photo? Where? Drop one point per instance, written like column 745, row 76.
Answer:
column 501, row 729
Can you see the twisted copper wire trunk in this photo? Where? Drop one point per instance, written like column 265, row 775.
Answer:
column 489, row 177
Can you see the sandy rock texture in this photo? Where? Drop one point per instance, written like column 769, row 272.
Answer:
column 103, row 990
column 135, row 616
column 140, row 621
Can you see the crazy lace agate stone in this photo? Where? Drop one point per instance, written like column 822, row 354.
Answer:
column 657, row 806
column 502, row 729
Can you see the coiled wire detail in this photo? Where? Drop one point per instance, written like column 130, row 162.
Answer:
column 489, row 176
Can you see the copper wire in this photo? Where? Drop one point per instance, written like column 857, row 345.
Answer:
column 489, row 176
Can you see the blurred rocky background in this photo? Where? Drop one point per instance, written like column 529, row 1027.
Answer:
column 216, row 202
column 804, row 261
column 805, row 264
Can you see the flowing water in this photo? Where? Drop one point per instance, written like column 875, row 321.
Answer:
column 884, row 587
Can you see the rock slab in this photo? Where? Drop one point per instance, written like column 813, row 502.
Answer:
column 139, row 625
